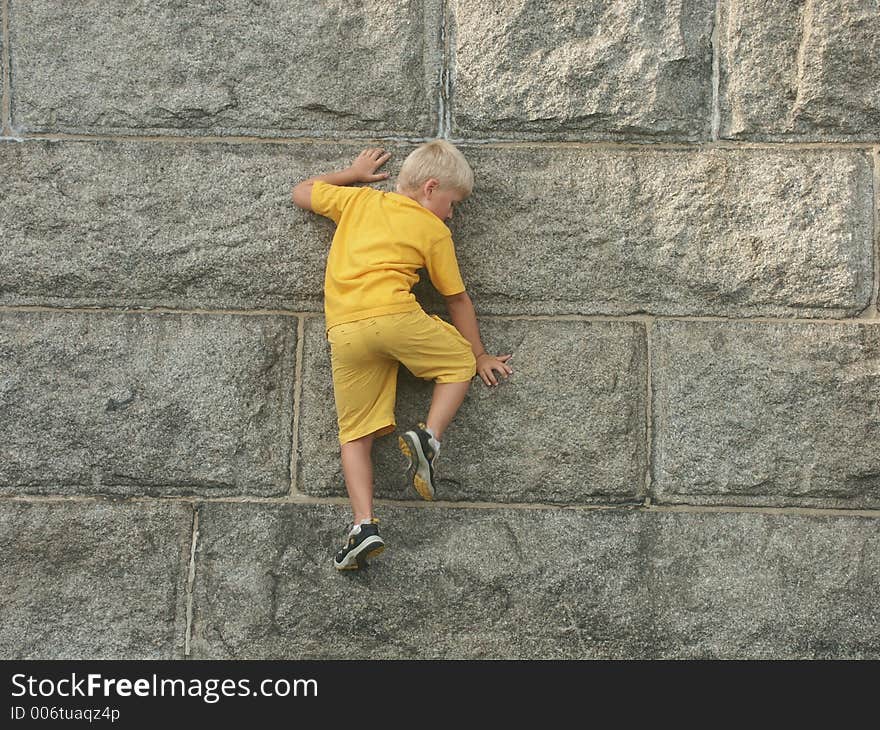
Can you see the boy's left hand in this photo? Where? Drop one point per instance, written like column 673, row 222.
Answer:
column 488, row 364
column 367, row 162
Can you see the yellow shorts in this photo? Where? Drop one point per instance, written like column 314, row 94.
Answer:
column 365, row 355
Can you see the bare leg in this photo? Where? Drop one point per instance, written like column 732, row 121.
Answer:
column 357, row 467
column 446, row 401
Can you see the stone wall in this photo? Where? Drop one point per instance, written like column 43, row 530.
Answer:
column 674, row 230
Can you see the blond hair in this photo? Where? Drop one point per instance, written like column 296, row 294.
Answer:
column 440, row 160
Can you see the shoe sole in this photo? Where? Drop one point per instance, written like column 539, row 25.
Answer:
column 420, row 477
column 356, row 560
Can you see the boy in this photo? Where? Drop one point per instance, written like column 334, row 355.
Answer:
column 373, row 321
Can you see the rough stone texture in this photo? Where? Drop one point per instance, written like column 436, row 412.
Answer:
column 87, row 580
column 575, row 70
column 763, row 586
column 3, row 91
column 736, row 233
column 145, row 404
column 455, row 584
column 568, row 426
column 620, row 584
column 178, row 225
column 801, row 70
column 566, row 561
column 773, row 414
column 272, row 67
column 729, row 232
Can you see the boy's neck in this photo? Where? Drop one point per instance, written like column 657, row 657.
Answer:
column 411, row 196
column 416, row 197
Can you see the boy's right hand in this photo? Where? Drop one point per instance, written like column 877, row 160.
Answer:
column 488, row 364
column 367, row 162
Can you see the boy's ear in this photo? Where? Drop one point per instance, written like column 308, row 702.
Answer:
column 431, row 184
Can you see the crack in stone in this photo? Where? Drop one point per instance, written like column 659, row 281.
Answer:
column 190, row 584
column 801, row 59
column 274, row 578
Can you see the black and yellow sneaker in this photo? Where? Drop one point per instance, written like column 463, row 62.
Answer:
column 363, row 542
column 416, row 444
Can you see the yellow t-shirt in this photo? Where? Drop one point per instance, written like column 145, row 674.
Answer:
column 381, row 239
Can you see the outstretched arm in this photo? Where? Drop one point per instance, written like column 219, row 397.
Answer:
column 363, row 169
column 461, row 312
